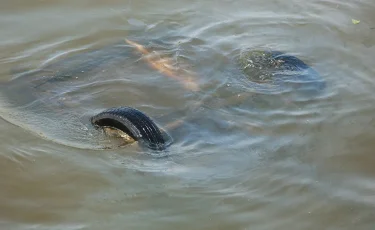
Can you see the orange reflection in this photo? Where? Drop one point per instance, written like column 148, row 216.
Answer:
column 165, row 66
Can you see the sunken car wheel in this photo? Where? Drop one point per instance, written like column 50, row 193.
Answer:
column 134, row 123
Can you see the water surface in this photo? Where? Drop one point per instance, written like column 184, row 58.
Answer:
column 241, row 160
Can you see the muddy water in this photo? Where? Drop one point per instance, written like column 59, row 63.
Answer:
column 239, row 160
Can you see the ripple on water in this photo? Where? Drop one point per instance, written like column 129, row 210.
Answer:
column 53, row 95
column 254, row 116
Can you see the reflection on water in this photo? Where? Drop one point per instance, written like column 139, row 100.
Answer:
column 240, row 159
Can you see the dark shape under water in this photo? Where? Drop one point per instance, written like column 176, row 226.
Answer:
column 134, row 123
column 277, row 72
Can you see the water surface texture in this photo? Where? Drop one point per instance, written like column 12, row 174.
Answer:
column 241, row 158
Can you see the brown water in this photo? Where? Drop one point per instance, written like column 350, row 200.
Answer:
column 284, row 161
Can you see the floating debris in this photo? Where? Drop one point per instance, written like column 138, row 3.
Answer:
column 355, row 22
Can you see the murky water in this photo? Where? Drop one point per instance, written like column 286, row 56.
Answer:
column 239, row 159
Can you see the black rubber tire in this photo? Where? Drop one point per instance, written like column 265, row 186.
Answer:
column 292, row 75
column 133, row 122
